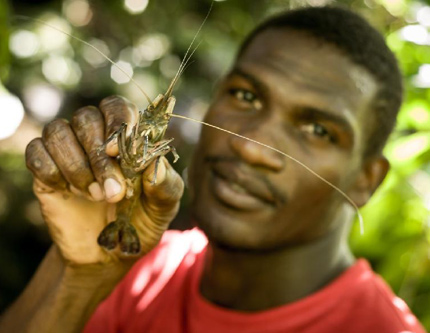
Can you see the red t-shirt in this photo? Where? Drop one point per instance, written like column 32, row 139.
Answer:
column 160, row 294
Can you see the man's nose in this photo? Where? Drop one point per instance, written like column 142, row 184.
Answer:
column 256, row 154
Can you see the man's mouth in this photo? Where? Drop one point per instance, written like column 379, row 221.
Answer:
column 238, row 187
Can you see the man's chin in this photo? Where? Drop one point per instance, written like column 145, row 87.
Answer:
column 233, row 233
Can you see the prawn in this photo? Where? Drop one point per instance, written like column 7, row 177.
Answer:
column 146, row 143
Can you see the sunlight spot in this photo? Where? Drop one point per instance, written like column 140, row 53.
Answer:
column 422, row 80
column 52, row 39
column 423, row 16
column 410, row 319
column 400, row 304
column 11, row 114
column 78, row 12
column 366, row 276
column 61, row 70
column 93, row 57
column 420, row 181
column 420, row 115
column 118, row 76
column 318, row 3
column 411, row 147
column 169, row 65
column 135, row 6
column 416, row 34
column 24, row 44
column 189, row 129
column 166, row 265
column 395, row 7
column 43, row 101
column 146, row 81
column 151, row 47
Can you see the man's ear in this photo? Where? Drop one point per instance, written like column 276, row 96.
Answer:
column 371, row 176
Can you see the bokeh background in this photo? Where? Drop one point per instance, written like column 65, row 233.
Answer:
column 46, row 74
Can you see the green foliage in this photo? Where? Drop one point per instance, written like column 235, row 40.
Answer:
column 4, row 39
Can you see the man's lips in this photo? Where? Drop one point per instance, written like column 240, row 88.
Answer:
column 234, row 196
column 238, row 183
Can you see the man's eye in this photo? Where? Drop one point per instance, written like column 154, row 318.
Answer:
column 246, row 96
column 243, row 95
column 318, row 130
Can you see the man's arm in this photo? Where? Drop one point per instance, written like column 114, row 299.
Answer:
column 76, row 274
column 60, row 298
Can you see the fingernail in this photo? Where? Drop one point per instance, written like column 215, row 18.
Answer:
column 96, row 191
column 112, row 148
column 112, row 188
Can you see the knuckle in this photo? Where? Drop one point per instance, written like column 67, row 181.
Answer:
column 88, row 125
column 101, row 164
column 79, row 173
column 85, row 117
column 172, row 192
column 76, row 166
column 42, row 166
column 113, row 101
column 54, row 128
column 32, row 153
column 52, row 177
column 117, row 110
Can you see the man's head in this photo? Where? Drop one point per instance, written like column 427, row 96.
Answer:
column 304, row 96
column 362, row 44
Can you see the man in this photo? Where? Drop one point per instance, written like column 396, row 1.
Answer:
column 318, row 84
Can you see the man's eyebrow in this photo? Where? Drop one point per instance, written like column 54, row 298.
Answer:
column 258, row 84
column 307, row 112
column 313, row 113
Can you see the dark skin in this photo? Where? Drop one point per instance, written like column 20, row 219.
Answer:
column 277, row 233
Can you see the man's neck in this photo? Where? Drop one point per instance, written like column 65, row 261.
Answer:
column 252, row 281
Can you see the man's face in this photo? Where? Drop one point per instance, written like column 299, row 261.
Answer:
column 302, row 97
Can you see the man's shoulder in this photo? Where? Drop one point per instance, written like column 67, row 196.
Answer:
column 375, row 302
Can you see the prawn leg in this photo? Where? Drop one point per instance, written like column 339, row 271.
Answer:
column 114, row 136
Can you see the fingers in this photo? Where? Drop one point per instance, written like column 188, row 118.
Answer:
column 88, row 125
column 167, row 191
column 116, row 111
column 43, row 167
column 68, row 155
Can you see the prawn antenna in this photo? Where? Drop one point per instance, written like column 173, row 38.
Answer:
column 90, row 45
column 188, row 55
column 354, row 205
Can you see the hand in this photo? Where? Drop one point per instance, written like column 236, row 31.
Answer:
column 78, row 188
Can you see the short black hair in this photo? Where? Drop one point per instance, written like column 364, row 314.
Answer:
column 364, row 45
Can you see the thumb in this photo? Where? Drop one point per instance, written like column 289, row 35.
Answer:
column 161, row 200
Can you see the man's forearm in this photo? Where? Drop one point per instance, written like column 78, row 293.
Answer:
column 60, row 298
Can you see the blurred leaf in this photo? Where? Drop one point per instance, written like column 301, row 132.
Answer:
column 4, row 40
